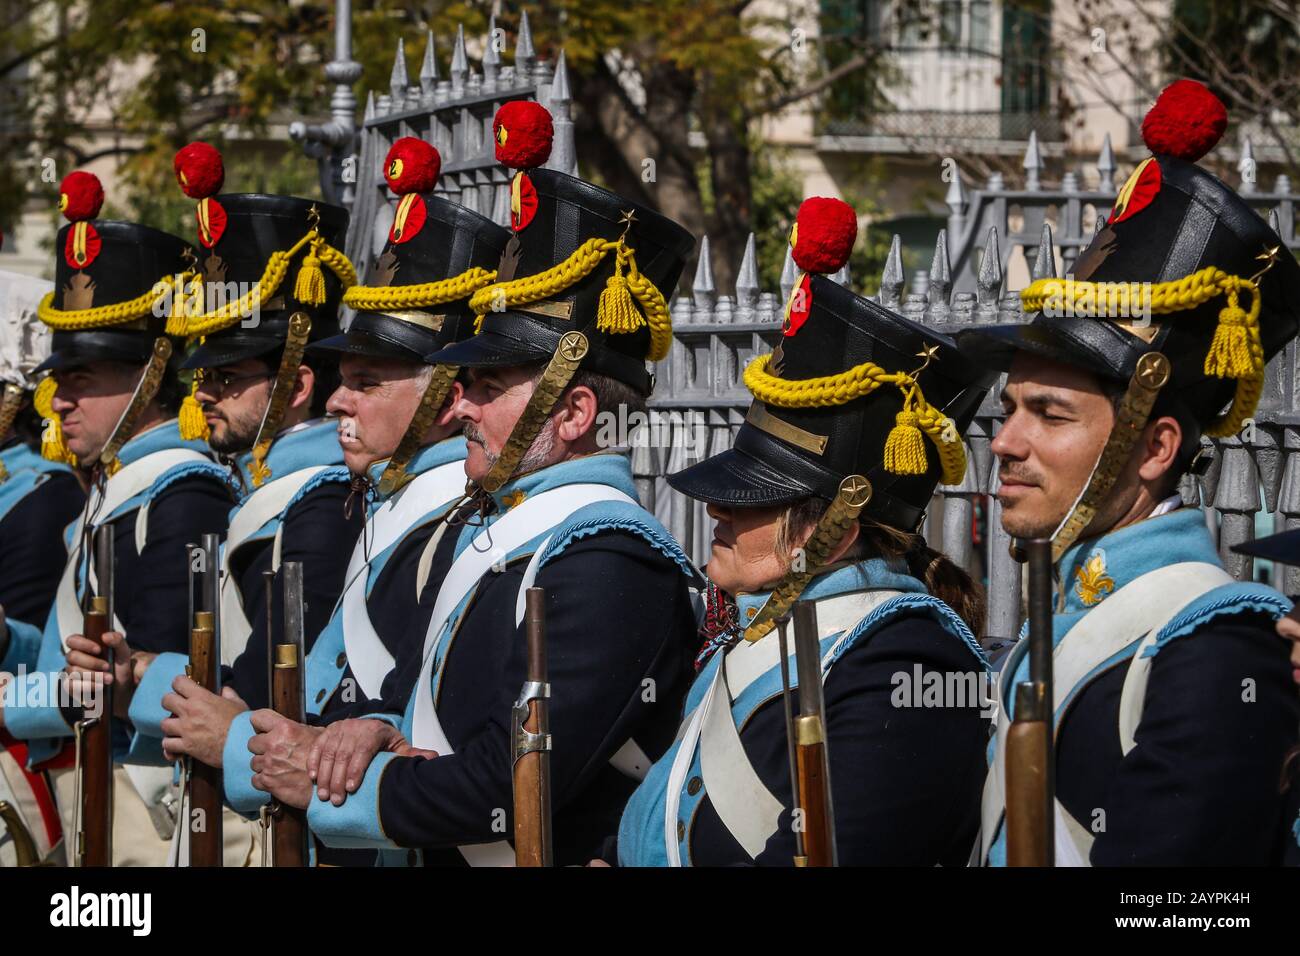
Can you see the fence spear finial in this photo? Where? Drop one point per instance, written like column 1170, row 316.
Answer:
column 892, row 279
column 428, row 68
column 1045, row 261
column 1106, row 166
column 397, row 82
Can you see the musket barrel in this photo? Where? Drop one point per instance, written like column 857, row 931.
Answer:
column 810, row 739
column 532, row 744
column 800, row 856
column 289, row 824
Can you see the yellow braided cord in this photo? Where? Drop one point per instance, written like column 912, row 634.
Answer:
column 53, row 447
column 655, row 309
column 277, row 267
column 386, row 297
column 190, row 420
column 843, row 387
column 838, row 389
column 543, row 285
column 579, row 265
column 104, row 316
column 1087, row 299
column 1235, row 352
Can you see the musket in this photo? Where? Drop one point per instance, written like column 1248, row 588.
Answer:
column 289, row 824
column 810, row 742
column 531, row 733
column 93, row 733
column 800, row 854
column 24, row 843
column 203, row 782
column 1030, row 774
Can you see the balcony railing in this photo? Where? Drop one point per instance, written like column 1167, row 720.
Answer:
column 949, row 126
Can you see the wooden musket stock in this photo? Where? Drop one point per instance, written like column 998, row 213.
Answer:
column 814, row 794
column 205, row 786
column 532, row 745
column 95, row 832
column 1030, row 784
column 289, row 824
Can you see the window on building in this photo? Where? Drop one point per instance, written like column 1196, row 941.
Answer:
column 981, row 17
column 950, row 25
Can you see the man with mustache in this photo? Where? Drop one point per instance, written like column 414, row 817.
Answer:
column 399, row 441
column 564, row 339
column 259, row 398
column 114, row 413
column 1173, row 699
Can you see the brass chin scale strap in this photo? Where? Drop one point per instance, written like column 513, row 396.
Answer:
column 555, row 378
column 853, row 495
column 435, row 394
column 1151, row 375
column 285, row 377
column 9, row 405
column 145, row 391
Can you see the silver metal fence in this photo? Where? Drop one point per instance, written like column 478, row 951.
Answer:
column 716, row 332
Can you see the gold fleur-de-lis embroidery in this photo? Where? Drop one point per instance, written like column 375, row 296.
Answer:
column 513, row 499
column 1091, row 582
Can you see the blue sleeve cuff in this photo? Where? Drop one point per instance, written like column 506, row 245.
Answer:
column 23, row 647
column 31, row 705
column 146, row 751
column 356, row 824
column 393, row 719
column 146, row 710
column 237, row 769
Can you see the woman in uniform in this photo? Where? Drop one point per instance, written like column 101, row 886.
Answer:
column 857, row 416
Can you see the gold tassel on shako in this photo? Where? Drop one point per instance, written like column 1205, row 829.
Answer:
column 192, row 424
column 309, row 287
column 53, row 447
column 905, row 447
column 1230, row 352
column 616, row 313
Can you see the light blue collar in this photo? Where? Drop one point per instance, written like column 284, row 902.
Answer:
column 603, row 468
column 1092, row 570
column 426, row 459
column 304, row 446
column 161, row 437
column 872, row 574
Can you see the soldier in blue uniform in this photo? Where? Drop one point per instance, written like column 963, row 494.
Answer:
column 113, row 412
column 856, row 418
column 38, row 497
column 257, row 399
column 1284, row 548
column 402, row 447
column 575, row 311
column 1174, row 702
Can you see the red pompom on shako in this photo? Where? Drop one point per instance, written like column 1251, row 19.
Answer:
column 1186, row 121
column 80, row 198
column 411, row 167
column 201, row 172
column 823, row 235
column 523, row 132
column 820, row 242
